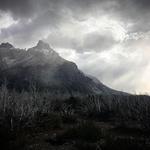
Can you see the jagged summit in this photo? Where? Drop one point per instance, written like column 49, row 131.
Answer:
column 6, row 46
column 44, row 48
column 42, row 45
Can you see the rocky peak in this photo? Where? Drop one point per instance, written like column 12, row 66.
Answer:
column 44, row 48
column 43, row 45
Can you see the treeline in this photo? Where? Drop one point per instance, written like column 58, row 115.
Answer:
column 19, row 109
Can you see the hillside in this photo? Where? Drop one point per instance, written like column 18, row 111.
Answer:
column 42, row 66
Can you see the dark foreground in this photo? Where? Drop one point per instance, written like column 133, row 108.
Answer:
column 34, row 121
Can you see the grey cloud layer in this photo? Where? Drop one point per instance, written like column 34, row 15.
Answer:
column 98, row 42
column 54, row 21
column 48, row 13
column 134, row 10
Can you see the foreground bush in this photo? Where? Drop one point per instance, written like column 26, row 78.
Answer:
column 86, row 131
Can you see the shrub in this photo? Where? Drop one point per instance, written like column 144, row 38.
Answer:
column 69, row 119
column 124, row 143
column 80, row 145
column 86, row 131
column 51, row 121
column 96, row 107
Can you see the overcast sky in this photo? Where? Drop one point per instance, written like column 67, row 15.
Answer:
column 109, row 39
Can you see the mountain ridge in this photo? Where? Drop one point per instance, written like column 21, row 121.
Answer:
column 43, row 66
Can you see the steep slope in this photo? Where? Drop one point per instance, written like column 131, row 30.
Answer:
column 44, row 67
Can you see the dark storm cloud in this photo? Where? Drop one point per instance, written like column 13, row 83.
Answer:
column 50, row 15
column 18, row 8
column 128, row 8
column 134, row 11
column 33, row 30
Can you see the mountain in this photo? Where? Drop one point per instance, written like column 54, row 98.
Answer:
column 42, row 66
